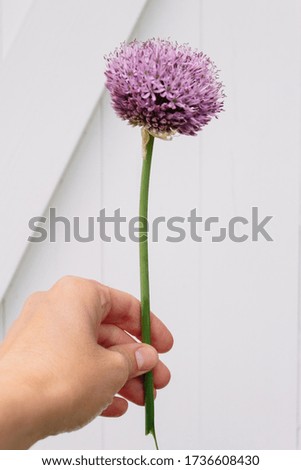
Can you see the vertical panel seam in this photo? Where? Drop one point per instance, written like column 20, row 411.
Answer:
column 299, row 303
column 298, row 348
column 1, row 34
column 298, row 340
column 101, row 198
column 199, row 270
column 298, row 391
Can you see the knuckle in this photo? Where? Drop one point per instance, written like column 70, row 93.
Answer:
column 35, row 297
column 67, row 281
column 72, row 284
column 87, row 290
column 33, row 302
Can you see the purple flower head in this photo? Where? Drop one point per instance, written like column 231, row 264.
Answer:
column 163, row 86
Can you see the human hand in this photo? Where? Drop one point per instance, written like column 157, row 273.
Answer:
column 68, row 354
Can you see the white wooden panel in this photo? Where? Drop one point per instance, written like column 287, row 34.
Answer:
column 13, row 15
column 48, row 90
column 232, row 307
column 173, row 266
column 249, row 290
column 77, row 194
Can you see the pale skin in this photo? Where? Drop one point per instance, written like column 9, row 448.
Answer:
column 67, row 356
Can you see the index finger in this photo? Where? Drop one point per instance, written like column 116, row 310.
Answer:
column 124, row 310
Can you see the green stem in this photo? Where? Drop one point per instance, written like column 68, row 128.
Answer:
column 144, row 287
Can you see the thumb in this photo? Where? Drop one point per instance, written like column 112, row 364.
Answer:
column 132, row 359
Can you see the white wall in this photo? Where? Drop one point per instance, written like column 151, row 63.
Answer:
column 232, row 307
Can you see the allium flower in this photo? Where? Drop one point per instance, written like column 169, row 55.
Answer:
column 163, row 86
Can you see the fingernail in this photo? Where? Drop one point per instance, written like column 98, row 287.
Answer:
column 146, row 358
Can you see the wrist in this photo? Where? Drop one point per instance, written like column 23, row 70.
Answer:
column 22, row 414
